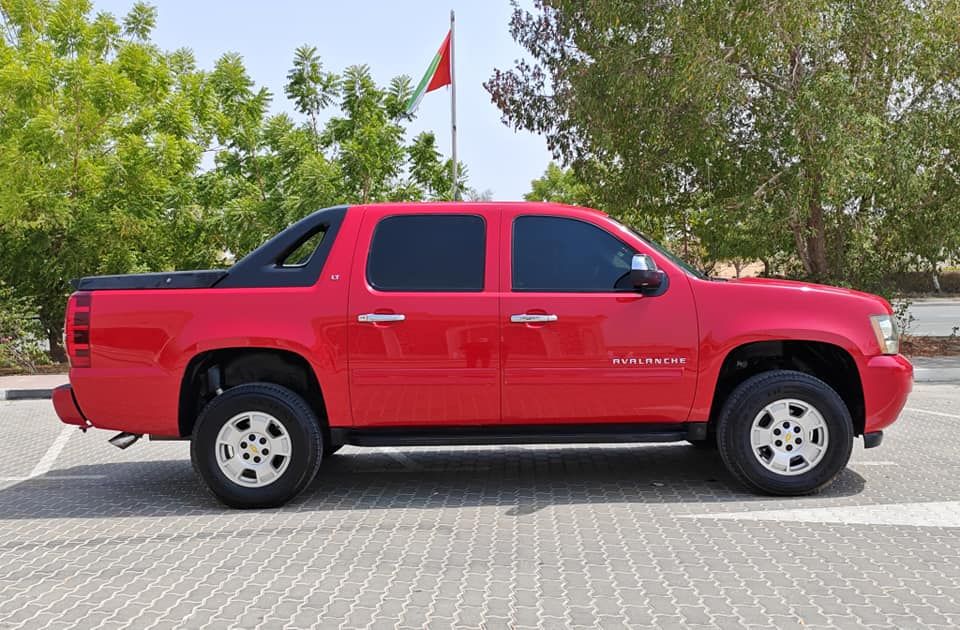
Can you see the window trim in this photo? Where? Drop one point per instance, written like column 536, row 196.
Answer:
column 483, row 253
column 513, row 258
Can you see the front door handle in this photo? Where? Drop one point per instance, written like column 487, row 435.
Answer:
column 532, row 318
column 375, row 318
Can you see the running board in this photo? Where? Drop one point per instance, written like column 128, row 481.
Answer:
column 521, row 434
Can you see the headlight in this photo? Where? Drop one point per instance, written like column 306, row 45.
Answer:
column 887, row 334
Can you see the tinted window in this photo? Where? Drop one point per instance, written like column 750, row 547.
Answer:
column 557, row 254
column 436, row 252
column 302, row 253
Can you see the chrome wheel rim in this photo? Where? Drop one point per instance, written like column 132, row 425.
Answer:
column 789, row 437
column 253, row 449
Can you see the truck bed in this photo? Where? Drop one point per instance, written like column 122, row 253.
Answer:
column 163, row 280
column 263, row 267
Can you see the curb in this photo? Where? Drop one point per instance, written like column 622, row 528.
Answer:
column 936, row 369
column 936, row 375
column 26, row 394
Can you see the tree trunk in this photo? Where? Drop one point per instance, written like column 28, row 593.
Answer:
column 817, row 235
column 57, row 353
column 935, row 276
column 810, row 235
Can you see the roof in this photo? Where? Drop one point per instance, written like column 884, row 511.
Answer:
column 532, row 206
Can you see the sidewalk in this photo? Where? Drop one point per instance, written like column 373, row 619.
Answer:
column 936, row 369
column 30, row 387
column 39, row 387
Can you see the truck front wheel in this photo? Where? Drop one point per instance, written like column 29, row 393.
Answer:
column 785, row 433
column 257, row 445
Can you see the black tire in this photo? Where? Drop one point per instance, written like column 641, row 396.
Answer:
column 749, row 399
column 289, row 409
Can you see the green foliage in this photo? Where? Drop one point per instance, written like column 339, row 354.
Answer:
column 97, row 144
column 118, row 157
column 310, row 88
column 820, row 132
column 559, row 185
column 21, row 334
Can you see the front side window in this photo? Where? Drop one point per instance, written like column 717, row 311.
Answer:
column 427, row 252
column 560, row 254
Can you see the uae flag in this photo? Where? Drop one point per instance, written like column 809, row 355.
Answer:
column 437, row 75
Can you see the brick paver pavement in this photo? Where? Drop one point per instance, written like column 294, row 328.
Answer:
column 552, row 537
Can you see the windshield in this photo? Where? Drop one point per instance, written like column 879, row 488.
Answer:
column 693, row 271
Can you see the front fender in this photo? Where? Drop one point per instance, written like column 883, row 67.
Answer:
column 733, row 314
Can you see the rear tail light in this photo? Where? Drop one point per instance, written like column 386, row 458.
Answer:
column 77, row 329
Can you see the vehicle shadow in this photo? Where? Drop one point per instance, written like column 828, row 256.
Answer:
column 520, row 480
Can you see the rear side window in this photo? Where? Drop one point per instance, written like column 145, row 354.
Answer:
column 567, row 255
column 427, row 252
column 300, row 255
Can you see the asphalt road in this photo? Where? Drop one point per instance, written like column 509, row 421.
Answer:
column 935, row 316
column 602, row 536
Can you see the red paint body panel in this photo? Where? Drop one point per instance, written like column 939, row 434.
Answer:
column 457, row 359
column 887, row 381
column 441, row 364
column 564, row 371
column 743, row 311
column 66, row 406
column 142, row 342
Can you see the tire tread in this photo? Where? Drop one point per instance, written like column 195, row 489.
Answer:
column 301, row 410
column 787, row 486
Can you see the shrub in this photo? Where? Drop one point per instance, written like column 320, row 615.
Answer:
column 21, row 335
column 914, row 282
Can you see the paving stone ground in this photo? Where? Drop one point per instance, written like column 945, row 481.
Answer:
column 551, row 537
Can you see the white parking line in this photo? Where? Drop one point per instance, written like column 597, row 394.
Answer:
column 934, row 514
column 46, row 462
column 54, row 478
column 932, row 413
column 875, row 463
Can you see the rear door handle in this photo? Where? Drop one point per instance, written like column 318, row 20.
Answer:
column 532, row 318
column 374, row 318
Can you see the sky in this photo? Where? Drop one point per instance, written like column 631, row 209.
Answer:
column 392, row 38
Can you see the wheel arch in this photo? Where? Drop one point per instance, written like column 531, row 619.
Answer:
column 829, row 362
column 223, row 368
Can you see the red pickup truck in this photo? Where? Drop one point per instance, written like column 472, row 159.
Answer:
column 477, row 323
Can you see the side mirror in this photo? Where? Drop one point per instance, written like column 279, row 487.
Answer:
column 644, row 273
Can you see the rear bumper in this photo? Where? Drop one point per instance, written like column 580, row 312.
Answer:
column 66, row 407
column 887, row 382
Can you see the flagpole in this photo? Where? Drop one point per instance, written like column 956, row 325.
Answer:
column 453, row 111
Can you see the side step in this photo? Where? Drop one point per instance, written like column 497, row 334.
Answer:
column 521, row 434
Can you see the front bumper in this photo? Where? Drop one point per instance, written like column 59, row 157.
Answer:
column 887, row 382
column 66, row 407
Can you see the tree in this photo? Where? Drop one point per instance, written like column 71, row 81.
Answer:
column 271, row 170
column 801, row 112
column 100, row 134
column 310, row 88
column 560, row 185
column 102, row 140
column 430, row 175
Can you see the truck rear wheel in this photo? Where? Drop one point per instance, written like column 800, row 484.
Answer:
column 257, row 445
column 785, row 433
